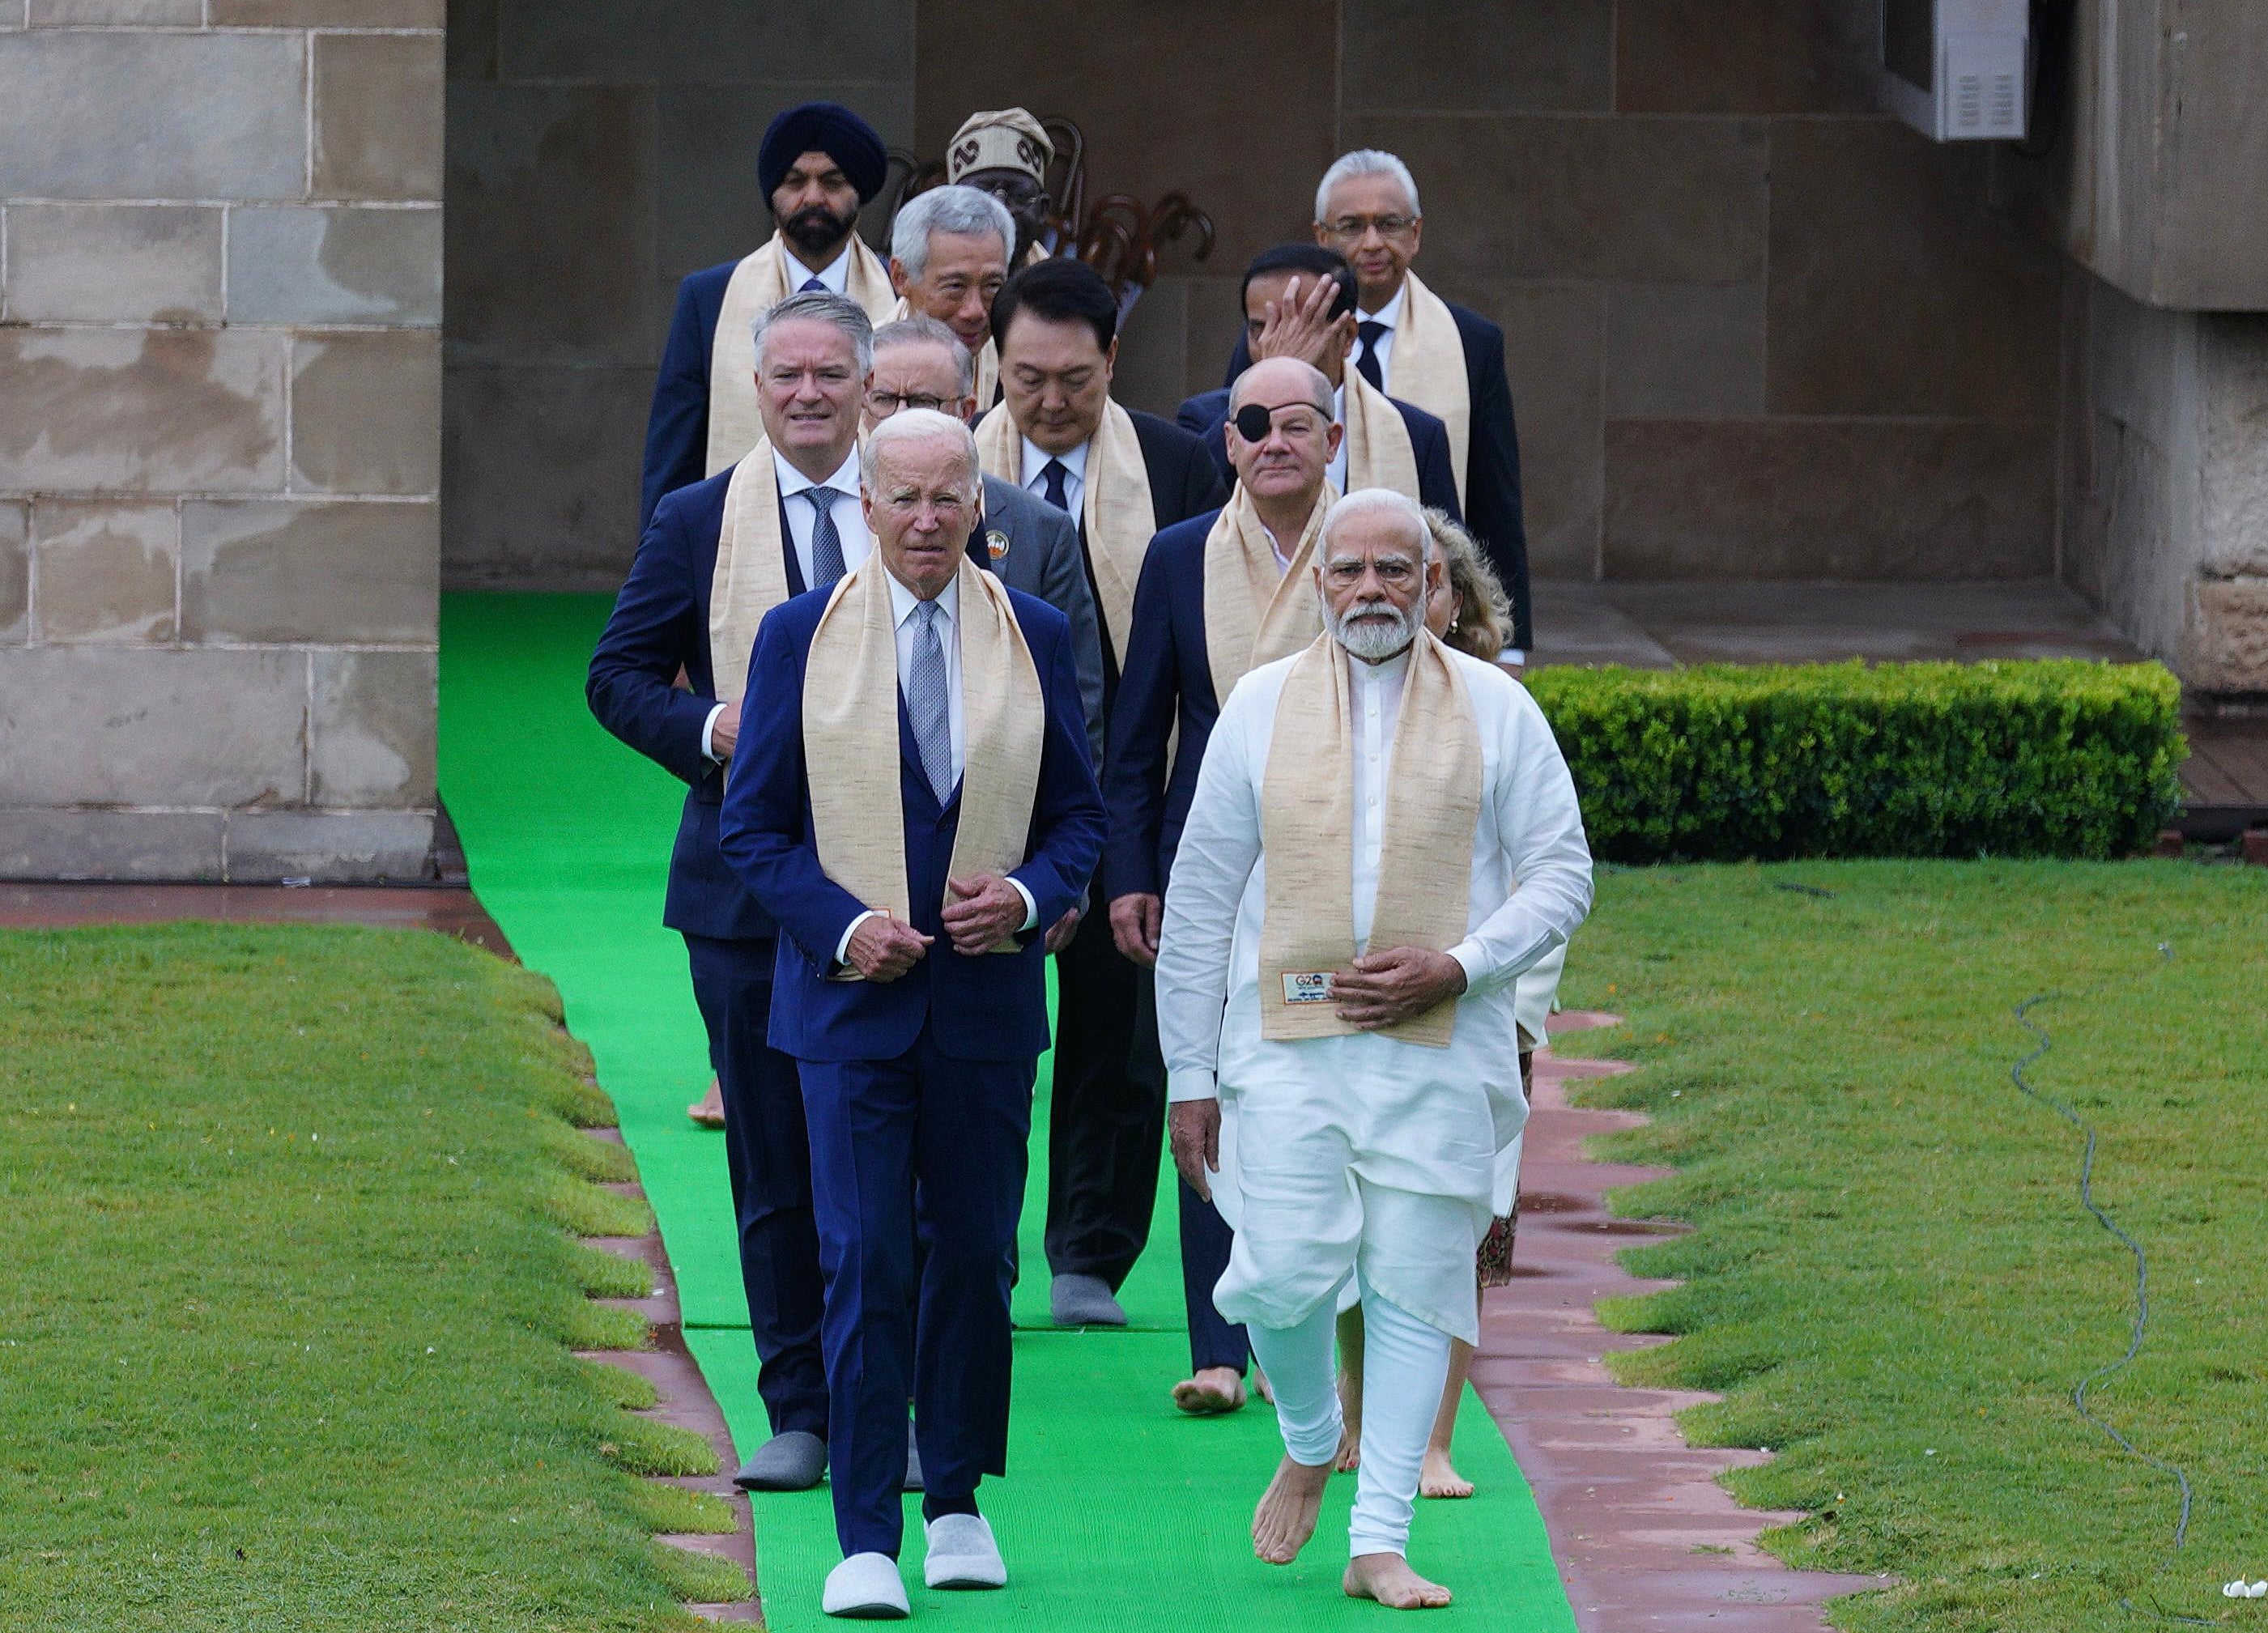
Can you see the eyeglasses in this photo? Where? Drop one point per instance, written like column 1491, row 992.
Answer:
column 1350, row 229
column 884, row 403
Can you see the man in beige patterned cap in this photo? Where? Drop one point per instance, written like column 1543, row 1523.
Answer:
column 1006, row 154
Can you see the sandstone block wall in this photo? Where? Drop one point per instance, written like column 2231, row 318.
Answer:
column 220, row 374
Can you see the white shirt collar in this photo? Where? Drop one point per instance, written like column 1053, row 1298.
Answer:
column 1390, row 313
column 836, row 275
column 792, row 481
column 1036, row 458
column 1388, row 673
column 902, row 600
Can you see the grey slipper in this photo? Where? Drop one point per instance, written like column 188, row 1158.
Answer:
column 1077, row 1300
column 913, row 1463
column 791, row 1461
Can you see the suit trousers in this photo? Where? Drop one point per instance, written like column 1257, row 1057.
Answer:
column 920, row 1146
column 1206, row 1242
column 1107, row 1108
column 767, row 1159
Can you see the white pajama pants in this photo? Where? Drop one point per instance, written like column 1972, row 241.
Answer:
column 1405, row 1361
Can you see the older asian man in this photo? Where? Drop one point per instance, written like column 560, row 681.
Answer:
column 1338, row 1014
column 914, row 803
column 1123, row 477
column 948, row 259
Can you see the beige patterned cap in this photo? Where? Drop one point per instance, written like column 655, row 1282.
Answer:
column 1010, row 139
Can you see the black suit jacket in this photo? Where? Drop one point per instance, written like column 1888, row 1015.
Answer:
column 1492, row 506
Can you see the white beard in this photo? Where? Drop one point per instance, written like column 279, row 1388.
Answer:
column 1371, row 638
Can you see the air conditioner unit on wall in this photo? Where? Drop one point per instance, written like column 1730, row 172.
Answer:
column 1956, row 69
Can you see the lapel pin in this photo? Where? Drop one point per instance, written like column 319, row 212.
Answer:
column 996, row 543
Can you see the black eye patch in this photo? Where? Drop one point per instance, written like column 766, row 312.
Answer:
column 1252, row 423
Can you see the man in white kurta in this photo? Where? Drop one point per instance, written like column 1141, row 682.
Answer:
column 1363, row 1150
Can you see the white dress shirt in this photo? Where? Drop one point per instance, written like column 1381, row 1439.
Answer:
column 902, row 603
column 849, row 525
column 836, row 275
column 1390, row 315
column 1035, row 478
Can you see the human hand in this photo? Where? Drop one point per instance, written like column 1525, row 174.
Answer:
column 725, row 736
column 883, row 948
column 1134, row 921
column 1062, row 931
column 1193, row 1129
column 988, row 909
column 1301, row 325
column 1384, row 988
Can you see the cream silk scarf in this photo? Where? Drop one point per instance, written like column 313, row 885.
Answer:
column 851, row 737
column 1379, row 454
column 758, row 284
column 1114, row 507
column 1429, row 370
column 988, row 361
column 1306, row 834
column 1253, row 613
column 751, row 573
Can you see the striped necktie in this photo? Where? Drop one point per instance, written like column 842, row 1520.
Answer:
column 928, row 707
column 826, row 542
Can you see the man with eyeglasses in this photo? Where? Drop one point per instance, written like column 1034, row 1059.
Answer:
column 921, row 363
column 1431, row 353
column 1006, row 154
column 717, row 556
column 1221, row 593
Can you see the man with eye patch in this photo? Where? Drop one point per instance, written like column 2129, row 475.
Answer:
column 1221, row 593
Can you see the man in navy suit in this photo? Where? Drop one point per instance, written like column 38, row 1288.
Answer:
column 1170, row 688
column 1366, row 209
column 1300, row 302
column 814, row 356
column 818, row 165
column 917, row 1038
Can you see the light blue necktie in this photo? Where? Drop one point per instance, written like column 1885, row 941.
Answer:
column 826, row 542
column 928, row 707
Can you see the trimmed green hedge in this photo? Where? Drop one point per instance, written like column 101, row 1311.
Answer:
column 1718, row 762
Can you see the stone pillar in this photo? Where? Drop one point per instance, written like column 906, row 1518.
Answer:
column 220, row 438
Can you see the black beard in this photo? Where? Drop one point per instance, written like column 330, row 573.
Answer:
column 818, row 232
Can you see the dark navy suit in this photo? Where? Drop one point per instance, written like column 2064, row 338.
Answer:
column 660, row 624
column 1168, row 684
column 677, row 426
column 1492, row 505
column 917, row 1091
column 1206, row 415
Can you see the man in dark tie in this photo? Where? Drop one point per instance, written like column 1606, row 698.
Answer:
column 818, row 164
column 914, row 803
column 1123, row 475
column 717, row 556
column 1431, row 353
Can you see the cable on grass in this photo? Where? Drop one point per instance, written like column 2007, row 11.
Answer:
column 2141, row 1327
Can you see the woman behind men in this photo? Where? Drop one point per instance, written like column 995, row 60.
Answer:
column 1471, row 611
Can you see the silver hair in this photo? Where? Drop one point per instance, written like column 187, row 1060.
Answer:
column 916, row 425
column 962, row 209
column 1370, row 501
column 921, row 329
column 1317, row 382
column 1366, row 161
column 824, row 306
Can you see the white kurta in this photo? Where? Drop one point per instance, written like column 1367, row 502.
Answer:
column 1364, row 1149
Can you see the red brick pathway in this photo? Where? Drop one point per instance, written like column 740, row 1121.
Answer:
column 1626, row 1502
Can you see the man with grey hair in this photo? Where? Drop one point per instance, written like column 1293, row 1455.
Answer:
column 1336, row 1008
column 920, row 364
column 915, row 804
column 948, row 259
column 1431, row 354
column 717, row 556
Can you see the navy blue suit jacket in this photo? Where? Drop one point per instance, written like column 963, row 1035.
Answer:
column 1167, row 682
column 1429, row 441
column 661, row 624
column 677, row 426
column 992, row 1006
column 1492, row 505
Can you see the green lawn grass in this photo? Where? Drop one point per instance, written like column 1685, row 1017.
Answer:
column 1890, row 1278
column 290, row 1293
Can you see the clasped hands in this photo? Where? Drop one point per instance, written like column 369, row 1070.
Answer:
column 984, row 910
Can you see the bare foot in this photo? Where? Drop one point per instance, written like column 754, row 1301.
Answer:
column 1285, row 1518
column 1260, row 1384
column 1440, row 1477
column 1212, row 1391
column 1349, row 1457
column 709, row 1110
column 1387, row 1578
